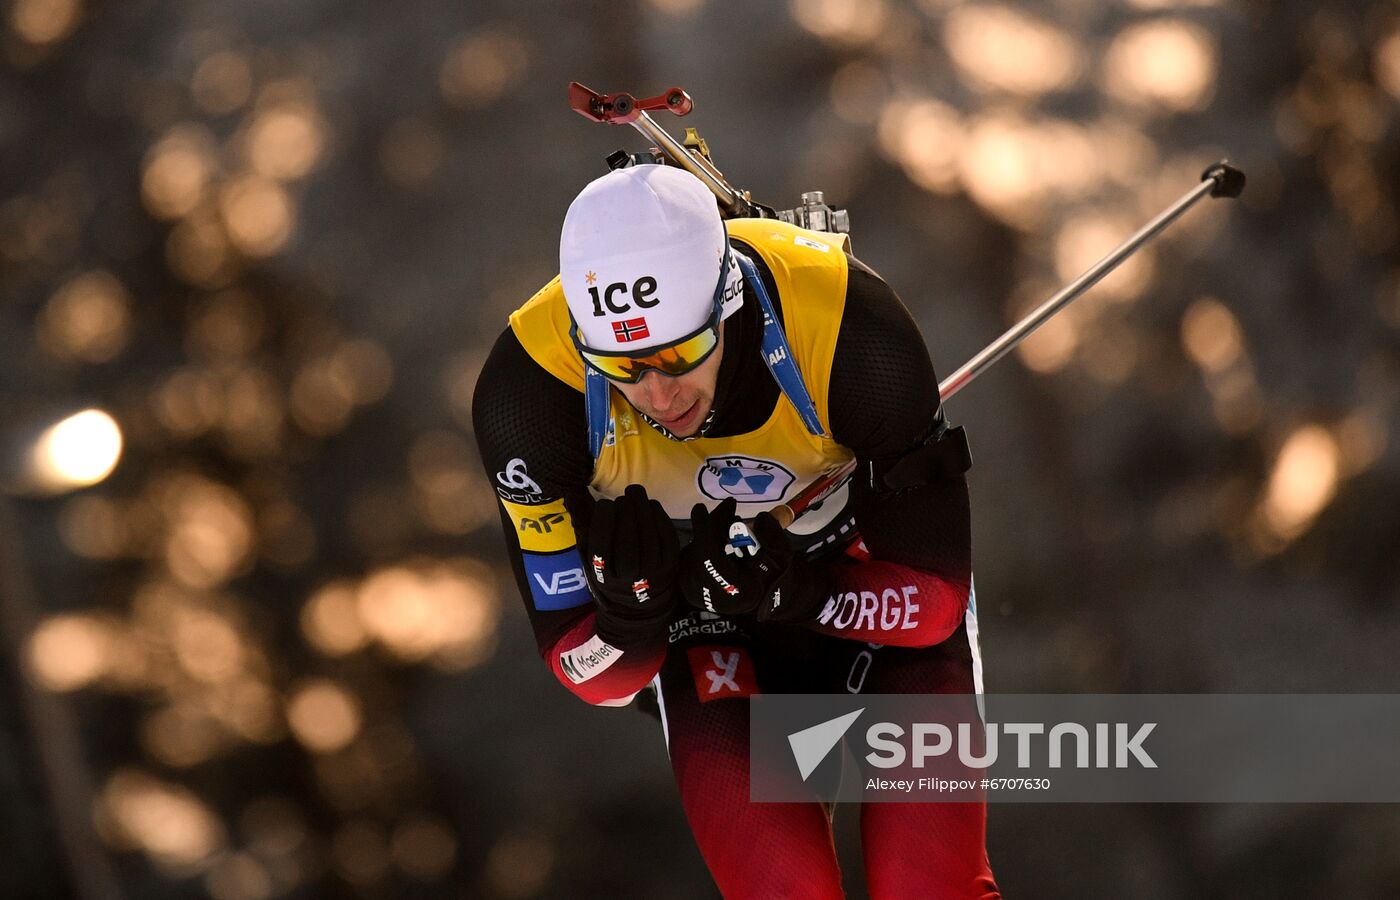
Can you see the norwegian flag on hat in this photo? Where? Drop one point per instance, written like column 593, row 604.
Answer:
column 631, row 330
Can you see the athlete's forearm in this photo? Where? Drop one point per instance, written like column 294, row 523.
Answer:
column 887, row 603
column 563, row 617
column 598, row 672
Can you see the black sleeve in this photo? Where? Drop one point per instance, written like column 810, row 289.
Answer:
column 521, row 411
column 883, row 403
column 532, row 434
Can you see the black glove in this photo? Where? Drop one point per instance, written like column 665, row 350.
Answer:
column 796, row 588
column 633, row 554
column 722, row 569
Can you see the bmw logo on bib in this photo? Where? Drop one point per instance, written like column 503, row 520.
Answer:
column 746, row 479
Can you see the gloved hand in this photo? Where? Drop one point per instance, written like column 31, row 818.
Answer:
column 720, row 568
column 733, row 569
column 797, row 587
column 632, row 558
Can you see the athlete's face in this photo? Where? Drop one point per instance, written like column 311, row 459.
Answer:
column 681, row 403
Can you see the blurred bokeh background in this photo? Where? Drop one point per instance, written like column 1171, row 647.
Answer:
column 259, row 636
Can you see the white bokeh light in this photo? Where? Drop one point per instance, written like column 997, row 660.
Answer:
column 76, row 452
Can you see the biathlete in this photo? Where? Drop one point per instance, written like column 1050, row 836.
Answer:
column 681, row 376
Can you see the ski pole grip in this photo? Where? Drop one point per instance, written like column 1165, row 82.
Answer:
column 1229, row 181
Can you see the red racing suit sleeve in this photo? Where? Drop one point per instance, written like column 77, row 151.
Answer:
column 881, row 602
column 598, row 672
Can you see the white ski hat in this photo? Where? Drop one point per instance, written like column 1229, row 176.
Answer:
column 640, row 256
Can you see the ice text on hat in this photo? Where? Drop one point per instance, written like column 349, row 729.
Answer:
column 641, row 292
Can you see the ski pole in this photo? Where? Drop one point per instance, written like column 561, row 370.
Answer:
column 1220, row 180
